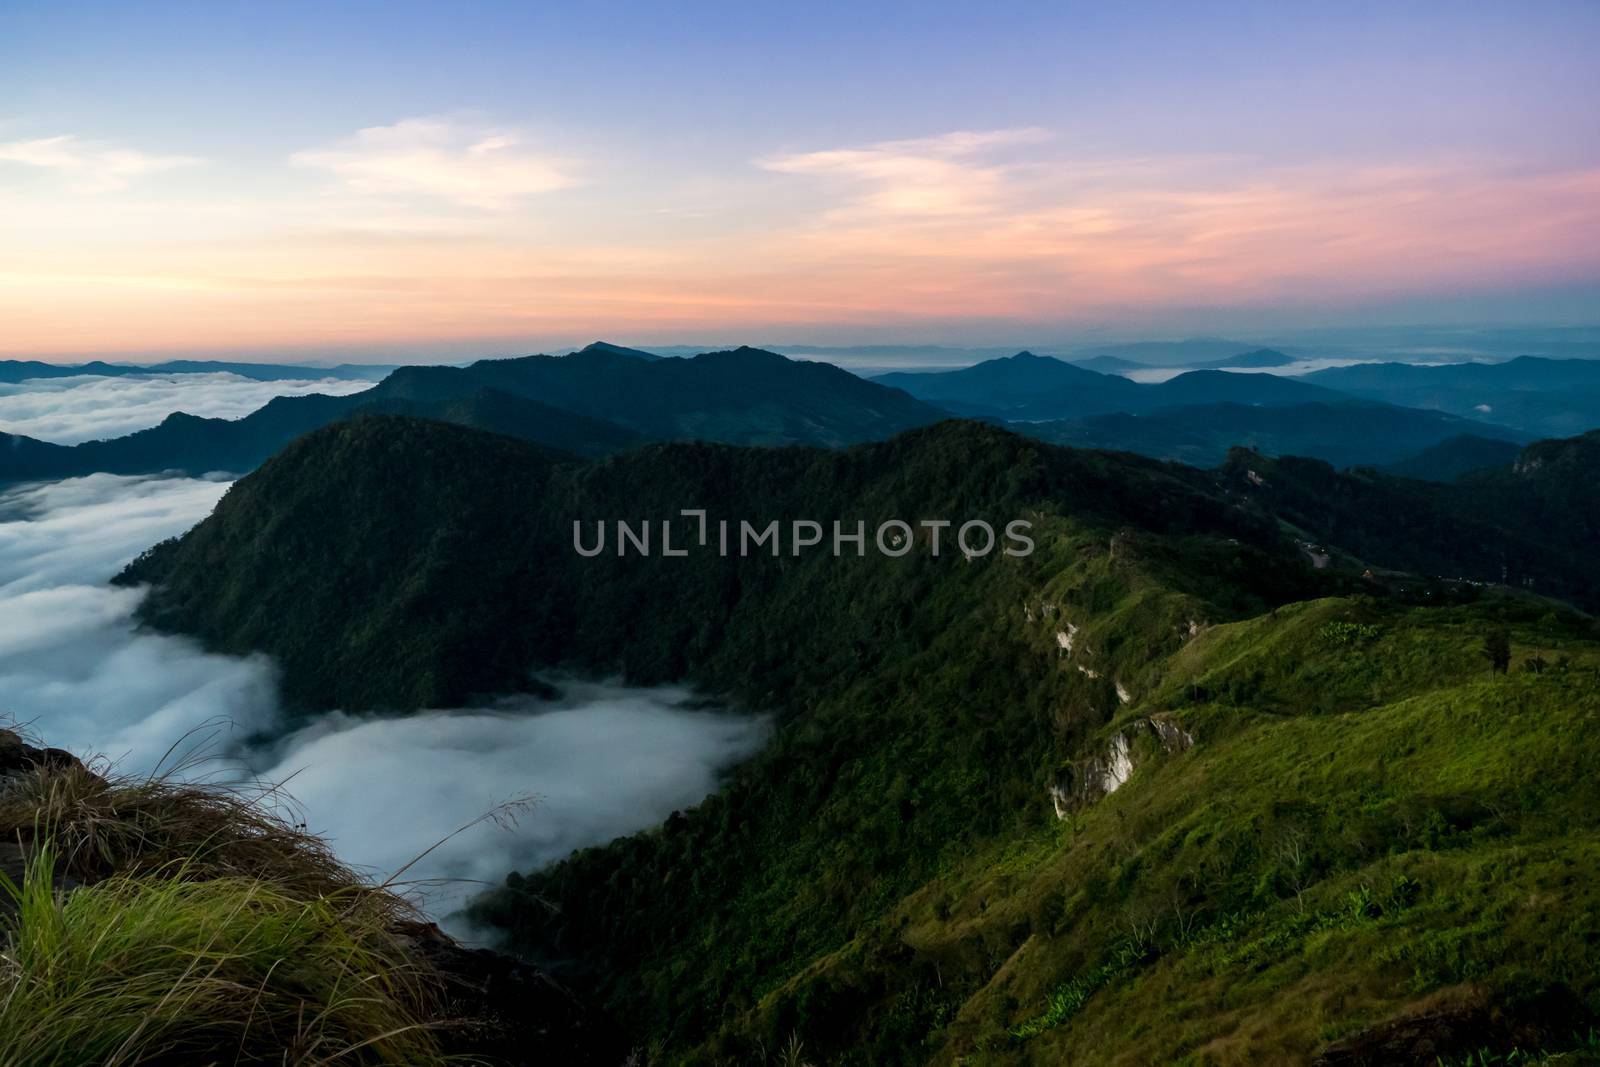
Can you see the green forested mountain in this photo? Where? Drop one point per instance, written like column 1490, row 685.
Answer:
column 1202, row 779
column 364, row 539
column 744, row 396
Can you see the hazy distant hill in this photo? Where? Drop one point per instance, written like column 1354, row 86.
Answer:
column 1259, row 359
column 1184, row 353
column 1027, row 387
column 1345, row 435
column 1450, row 459
column 617, row 350
column 1522, row 373
column 1001, row 386
column 1545, row 397
column 1107, row 364
column 1185, row 390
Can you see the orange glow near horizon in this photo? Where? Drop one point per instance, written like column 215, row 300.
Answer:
column 416, row 234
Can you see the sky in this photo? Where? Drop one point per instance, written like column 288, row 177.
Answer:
column 404, row 181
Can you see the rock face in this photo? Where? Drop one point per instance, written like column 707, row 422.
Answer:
column 1078, row 785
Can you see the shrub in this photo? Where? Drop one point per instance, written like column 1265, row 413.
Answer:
column 1344, row 634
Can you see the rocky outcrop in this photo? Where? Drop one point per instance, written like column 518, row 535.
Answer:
column 1087, row 781
column 19, row 757
column 1065, row 638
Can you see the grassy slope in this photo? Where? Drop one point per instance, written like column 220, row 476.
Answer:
column 198, row 928
column 1368, row 820
column 1386, row 824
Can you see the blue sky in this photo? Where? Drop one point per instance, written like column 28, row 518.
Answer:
column 544, row 172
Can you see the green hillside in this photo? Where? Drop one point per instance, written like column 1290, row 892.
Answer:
column 1330, row 812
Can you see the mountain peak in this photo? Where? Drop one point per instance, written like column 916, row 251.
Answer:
column 616, row 350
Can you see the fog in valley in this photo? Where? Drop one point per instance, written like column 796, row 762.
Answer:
column 76, row 672
column 88, row 407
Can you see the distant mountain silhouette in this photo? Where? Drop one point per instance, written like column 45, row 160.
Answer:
column 744, row 396
column 618, row 350
column 1186, row 353
column 587, row 403
column 1026, row 388
column 1524, row 372
column 1000, row 386
column 1185, row 390
column 1260, row 358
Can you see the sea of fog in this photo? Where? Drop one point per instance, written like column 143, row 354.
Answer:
column 88, row 407
column 77, row 673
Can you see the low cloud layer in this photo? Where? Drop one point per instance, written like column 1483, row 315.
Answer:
column 601, row 762
column 72, row 664
column 89, row 407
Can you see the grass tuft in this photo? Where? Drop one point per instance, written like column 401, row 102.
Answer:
column 99, row 824
column 158, row 969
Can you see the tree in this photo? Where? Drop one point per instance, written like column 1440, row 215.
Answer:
column 1497, row 650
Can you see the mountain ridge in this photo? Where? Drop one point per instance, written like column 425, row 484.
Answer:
column 601, row 399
